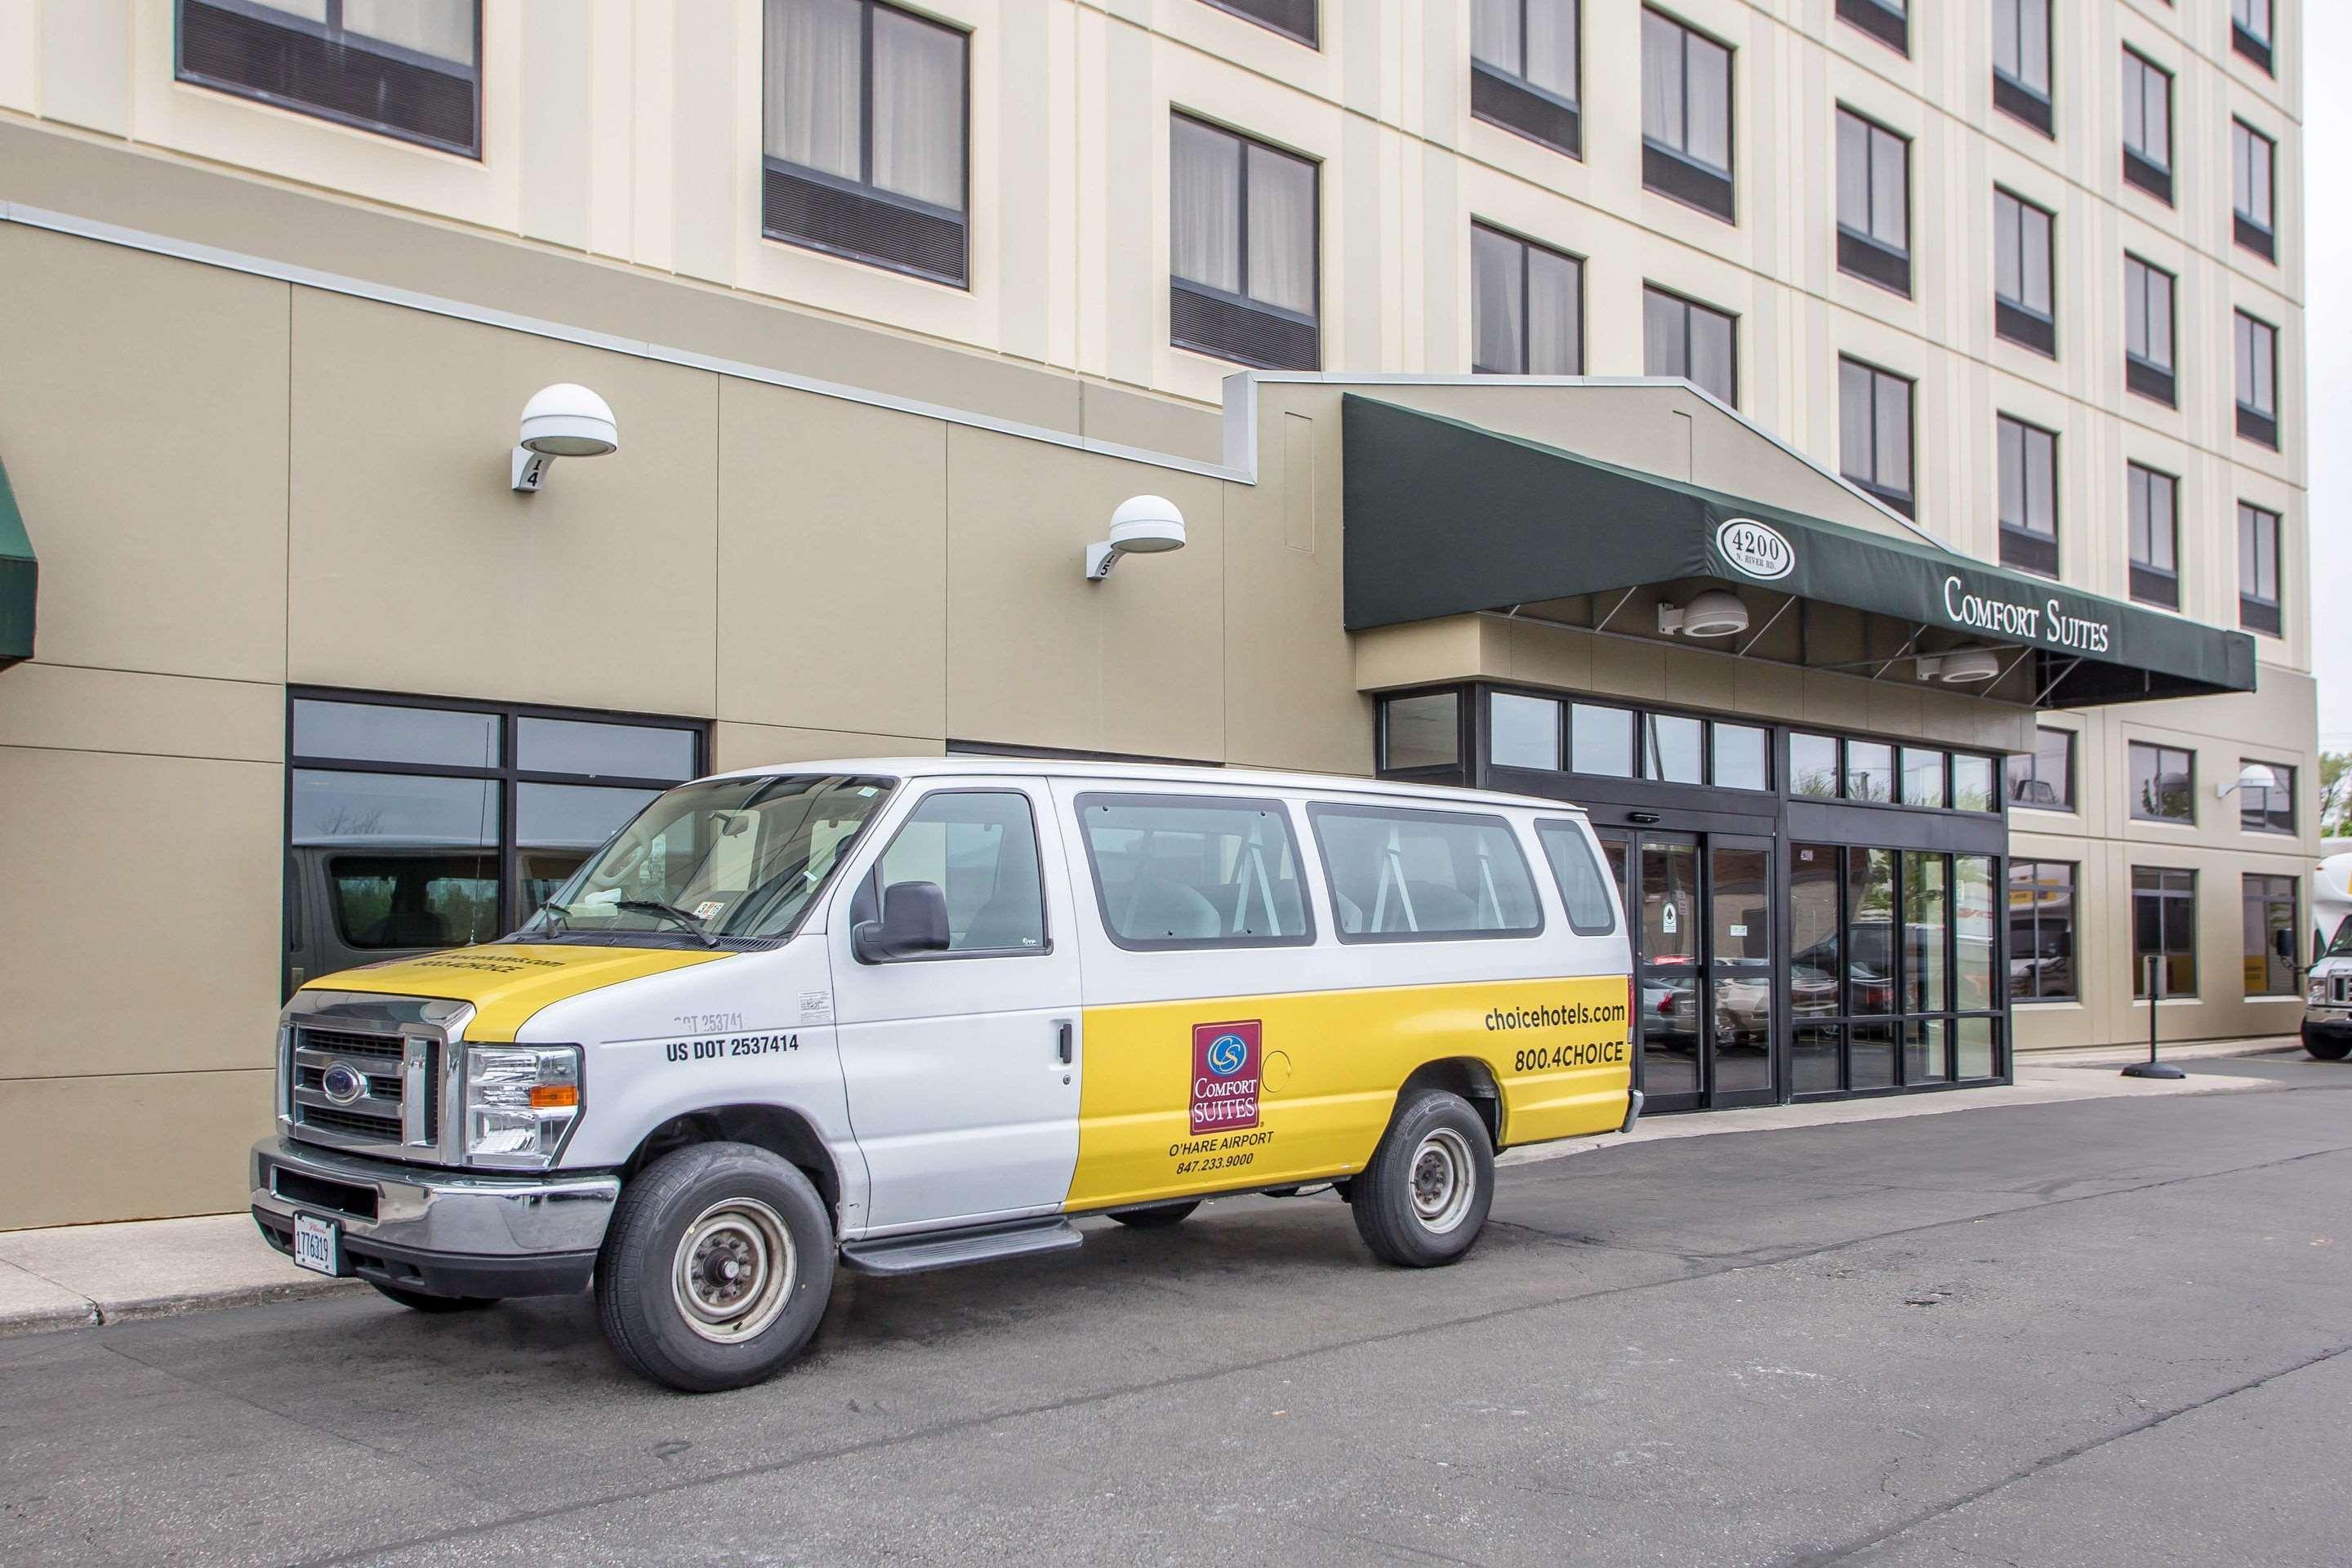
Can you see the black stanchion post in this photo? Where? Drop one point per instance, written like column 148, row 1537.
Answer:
column 2152, row 1068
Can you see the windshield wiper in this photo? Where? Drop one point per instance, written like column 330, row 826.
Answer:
column 655, row 906
column 557, row 916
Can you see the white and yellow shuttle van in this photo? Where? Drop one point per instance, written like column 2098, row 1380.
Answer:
column 908, row 1014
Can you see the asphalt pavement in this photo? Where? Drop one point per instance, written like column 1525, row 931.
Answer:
column 2106, row 1331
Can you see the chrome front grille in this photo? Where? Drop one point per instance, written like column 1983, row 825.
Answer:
column 391, row 1103
column 2343, row 984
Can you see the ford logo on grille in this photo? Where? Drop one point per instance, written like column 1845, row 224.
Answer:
column 343, row 1083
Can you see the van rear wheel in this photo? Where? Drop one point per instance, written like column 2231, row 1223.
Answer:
column 716, row 1269
column 1423, row 1199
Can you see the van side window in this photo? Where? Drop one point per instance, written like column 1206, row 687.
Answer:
column 979, row 847
column 1404, row 875
column 1183, row 871
column 1582, row 888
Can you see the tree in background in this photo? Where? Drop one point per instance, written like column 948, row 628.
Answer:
column 2335, row 793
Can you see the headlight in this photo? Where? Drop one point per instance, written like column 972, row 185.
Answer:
column 2317, row 995
column 520, row 1102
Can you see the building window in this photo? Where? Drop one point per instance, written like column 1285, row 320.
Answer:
column 1602, row 741
column 1972, row 783
column 2164, row 929
column 1888, row 21
column 1874, row 198
column 2147, row 329
column 1292, row 18
column 2042, row 932
column 1242, row 250
column 1421, row 733
column 2043, row 778
column 2270, row 915
column 2147, row 126
column 1685, row 116
column 2269, row 810
column 2254, row 185
column 1813, row 765
column 1869, row 771
column 2155, row 536
column 1681, row 337
column 2258, row 570
column 865, row 125
column 1874, row 433
column 408, row 71
column 2257, row 343
column 2024, row 306
column 1740, row 757
column 1524, row 731
column 2029, row 497
column 1527, row 307
column 1524, row 69
column 2020, row 61
column 416, row 825
column 2163, row 784
column 2250, row 30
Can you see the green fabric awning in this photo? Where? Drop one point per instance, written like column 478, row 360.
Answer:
column 1444, row 518
column 17, row 576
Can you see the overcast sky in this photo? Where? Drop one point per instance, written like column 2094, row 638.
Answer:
column 2328, row 294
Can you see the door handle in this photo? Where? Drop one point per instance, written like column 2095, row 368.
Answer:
column 1062, row 1040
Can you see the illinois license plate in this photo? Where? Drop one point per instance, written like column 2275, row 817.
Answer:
column 315, row 1245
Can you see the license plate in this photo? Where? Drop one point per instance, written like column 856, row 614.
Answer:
column 315, row 1245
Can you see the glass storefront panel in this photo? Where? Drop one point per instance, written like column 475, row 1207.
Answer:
column 1923, row 777
column 1601, row 741
column 1869, row 931
column 1523, row 732
column 1815, row 934
column 1976, row 1052
column 1740, row 939
column 1813, row 1059
column 1972, row 786
column 1813, row 765
column 1675, row 748
column 1870, row 1056
column 1741, row 754
column 1421, row 731
column 1927, row 1051
column 1869, row 769
column 1927, row 915
column 1973, row 932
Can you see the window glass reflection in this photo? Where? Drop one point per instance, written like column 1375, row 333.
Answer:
column 1813, row 765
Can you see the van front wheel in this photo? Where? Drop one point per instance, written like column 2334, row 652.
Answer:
column 1423, row 1199
column 716, row 1268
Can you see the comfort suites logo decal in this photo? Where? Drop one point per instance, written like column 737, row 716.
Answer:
column 1225, row 1058
column 1754, row 548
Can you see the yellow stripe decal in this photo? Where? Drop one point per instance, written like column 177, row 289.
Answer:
column 1254, row 1092
column 508, row 982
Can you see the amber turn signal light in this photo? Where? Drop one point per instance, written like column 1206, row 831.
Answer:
column 554, row 1096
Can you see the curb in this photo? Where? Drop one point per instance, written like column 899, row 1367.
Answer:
column 92, row 1314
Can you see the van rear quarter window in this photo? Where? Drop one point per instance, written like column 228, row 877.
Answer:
column 1192, row 871
column 1582, row 888
column 1402, row 874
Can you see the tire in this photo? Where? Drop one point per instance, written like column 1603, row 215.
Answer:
column 1160, row 1218
column 417, row 1302
column 1422, row 1200
column 2327, row 1050
column 666, row 1310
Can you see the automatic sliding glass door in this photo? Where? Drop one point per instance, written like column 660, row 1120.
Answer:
column 1705, row 986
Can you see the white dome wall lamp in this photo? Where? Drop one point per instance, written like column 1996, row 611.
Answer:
column 2253, row 775
column 1143, row 525
column 1961, row 666
column 565, row 420
column 1712, row 613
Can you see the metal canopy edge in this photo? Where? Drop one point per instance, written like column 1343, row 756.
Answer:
column 1445, row 518
column 19, row 576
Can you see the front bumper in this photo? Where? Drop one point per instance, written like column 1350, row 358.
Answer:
column 438, row 1232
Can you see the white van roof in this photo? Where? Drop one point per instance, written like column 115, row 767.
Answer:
column 965, row 764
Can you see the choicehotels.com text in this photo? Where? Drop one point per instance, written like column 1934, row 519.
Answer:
column 1561, row 1017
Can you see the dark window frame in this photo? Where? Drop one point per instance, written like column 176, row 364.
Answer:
column 2162, row 751
column 2256, row 611
column 1678, row 175
column 2151, row 581
column 2019, row 98
column 1527, row 246
column 2264, row 816
column 1279, row 808
column 1861, row 254
column 1317, row 810
column 2257, row 47
column 2261, row 889
column 2036, row 920
column 2249, row 231
column 777, row 174
column 509, row 776
column 1904, row 502
column 1880, row 20
column 1240, row 300
column 2255, row 423
column 2148, row 174
column 1506, row 97
column 330, row 33
column 2021, row 545
column 2012, row 778
column 1312, row 37
column 2166, row 895
column 1689, row 305
column 2153, row 379
column 2017, row 320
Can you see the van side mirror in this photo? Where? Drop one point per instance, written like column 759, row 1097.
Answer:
column 2283, row 944
column 914, row 921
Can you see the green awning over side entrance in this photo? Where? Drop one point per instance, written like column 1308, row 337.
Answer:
column 1444, row 518
column 18, row 575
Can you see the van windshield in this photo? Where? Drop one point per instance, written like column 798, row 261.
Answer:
column 741, row 857
column 2342, row 946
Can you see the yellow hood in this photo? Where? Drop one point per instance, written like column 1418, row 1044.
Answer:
column 508, row 982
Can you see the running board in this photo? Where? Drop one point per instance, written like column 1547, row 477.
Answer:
column 982, row 1243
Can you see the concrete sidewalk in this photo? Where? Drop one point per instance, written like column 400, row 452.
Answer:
column 83, row 1275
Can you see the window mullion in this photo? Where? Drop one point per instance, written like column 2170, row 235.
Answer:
column 1240, row 221
column 866, row 94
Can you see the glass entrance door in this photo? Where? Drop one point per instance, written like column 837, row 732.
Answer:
column 1705, row 988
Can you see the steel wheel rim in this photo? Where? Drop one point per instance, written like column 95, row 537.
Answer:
column 1443, row 1179
column 734, row 1271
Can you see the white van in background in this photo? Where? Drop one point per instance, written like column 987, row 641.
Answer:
column 903, row 1015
